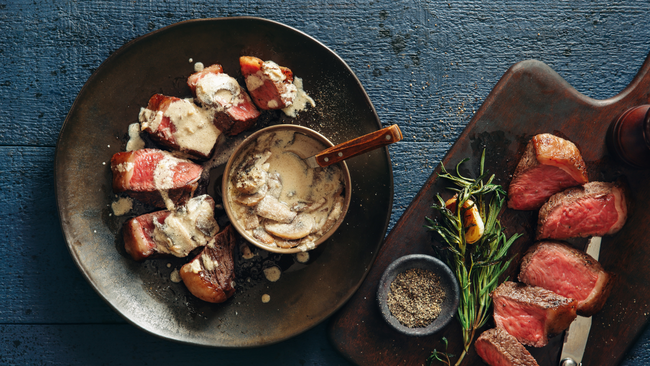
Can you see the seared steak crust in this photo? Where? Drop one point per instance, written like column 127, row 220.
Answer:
column 270, row 85
column 549, row 165
column 531, row 314
column 568, row 272
column 210, row 275
column 498, row 348
column 595, row 209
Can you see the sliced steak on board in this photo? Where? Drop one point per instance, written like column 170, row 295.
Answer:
column 155, row 177
column 549, row 165
column 531, row 314
column 498, row 348
column 595, row 209
column 568, row 272
column 210, row 275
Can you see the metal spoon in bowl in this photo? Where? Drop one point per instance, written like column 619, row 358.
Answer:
column 354, row 147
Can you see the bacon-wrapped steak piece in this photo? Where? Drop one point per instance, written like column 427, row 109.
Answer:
column 549, row 165
column 568, row 272
column 210, row 275
column 234, row 112
column 155, row 177
column 270, row 85
column 595, row 209
column 180, row 125
column 175, row 233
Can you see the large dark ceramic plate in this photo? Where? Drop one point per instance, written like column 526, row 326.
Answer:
column 143, row 293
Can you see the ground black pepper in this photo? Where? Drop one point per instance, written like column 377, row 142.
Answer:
column 415, row 297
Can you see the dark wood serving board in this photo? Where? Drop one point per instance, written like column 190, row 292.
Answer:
column 529, row 99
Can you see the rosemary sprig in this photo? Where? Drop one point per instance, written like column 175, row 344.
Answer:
column 477, row 266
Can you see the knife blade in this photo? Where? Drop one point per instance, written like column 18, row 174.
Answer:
column 575, row 338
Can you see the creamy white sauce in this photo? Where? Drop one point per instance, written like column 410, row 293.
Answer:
column 309, row 195
column 254, row 81
column 150, row 119
column 187, row 228
column 195, row 266
column 163, row 175
column 194, row 128
column 219, row 91
column 208, row 263
column 272, row 273
column 175, row 276
column 302, row 257
column 301, row 100
column 122, row 206
column 273, row 71
column 124, row 167
column 135, row 141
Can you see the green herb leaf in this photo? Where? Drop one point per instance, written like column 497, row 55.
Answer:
column 477, row 266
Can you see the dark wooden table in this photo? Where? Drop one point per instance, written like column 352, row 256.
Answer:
column 427, row 66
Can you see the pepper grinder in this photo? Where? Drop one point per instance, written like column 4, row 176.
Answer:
column 628, row 137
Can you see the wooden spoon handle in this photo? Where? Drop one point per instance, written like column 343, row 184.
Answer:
column 360, row 145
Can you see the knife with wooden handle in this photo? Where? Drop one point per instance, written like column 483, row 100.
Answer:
column 575, row 338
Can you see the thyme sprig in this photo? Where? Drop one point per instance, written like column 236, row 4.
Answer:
column 477, row 266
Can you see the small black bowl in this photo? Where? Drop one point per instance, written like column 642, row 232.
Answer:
column 447, row 281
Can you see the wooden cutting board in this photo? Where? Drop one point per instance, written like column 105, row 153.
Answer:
column 529, row 99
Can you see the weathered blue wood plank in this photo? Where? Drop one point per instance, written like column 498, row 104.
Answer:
column 122, row 344
column 419, row 61
column 427, row 65
column 40, row 282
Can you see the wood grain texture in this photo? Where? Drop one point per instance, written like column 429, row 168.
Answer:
column 529, row 99
column 41, row 283
column 427, row 66
column 122, row 344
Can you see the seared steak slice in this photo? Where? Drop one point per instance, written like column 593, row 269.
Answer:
column 270, row 85
column 498, row 348
column 568, row 272
column 180, row 125
column 595, row 209
column 234, row 112
column 138, row 234
column 531, row 314
column 549, row 165
column 155, row 177
column 176, row 233
column 210, row 275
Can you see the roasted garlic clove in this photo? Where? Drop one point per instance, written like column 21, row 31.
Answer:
column 472, row 221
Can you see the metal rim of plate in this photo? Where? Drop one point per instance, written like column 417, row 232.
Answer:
column 95, row 129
